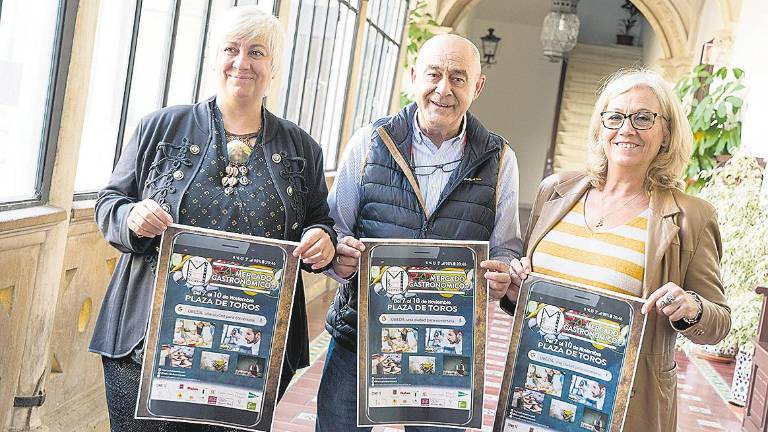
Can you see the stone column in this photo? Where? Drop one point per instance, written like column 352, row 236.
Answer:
column 673, row 68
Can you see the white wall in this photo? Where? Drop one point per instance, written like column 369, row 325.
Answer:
column 519, row 98
column 652, row 51
column 600, row 22
column 709, row 24
column 749, row 53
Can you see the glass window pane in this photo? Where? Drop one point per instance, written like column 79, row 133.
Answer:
column 373, row 9
column 319, row 44
column 365, row 76
column 379, row 61
column 207, row 83
column 330, row 132
column 399, row 26
column 267, row 4
column 187, row 51
column 26, row 56
column 385, row 16
column 105, row 95
column 317, row 112
column 149, row 65
column 298, row 65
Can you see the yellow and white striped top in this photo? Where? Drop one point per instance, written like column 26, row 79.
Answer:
column 612, row 259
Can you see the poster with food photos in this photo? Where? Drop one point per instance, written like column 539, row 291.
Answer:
column 572, row 358
column 218, row 328
column 421, row 333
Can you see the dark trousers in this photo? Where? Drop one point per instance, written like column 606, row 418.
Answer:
column 337, row 396
column 121, row 379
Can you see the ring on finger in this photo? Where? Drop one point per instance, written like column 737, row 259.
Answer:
column 667, row 300
column 338, row 260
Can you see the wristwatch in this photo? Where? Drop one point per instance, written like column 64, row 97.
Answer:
column 697, row 318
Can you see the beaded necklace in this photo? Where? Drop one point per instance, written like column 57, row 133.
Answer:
column 238, row 152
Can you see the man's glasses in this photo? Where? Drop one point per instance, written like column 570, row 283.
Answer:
column 425, row 170
column 641, row 120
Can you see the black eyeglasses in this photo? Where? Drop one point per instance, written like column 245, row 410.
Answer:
column 425, row 170
column 641, row 120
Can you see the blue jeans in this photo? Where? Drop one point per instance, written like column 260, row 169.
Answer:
column 337, row 396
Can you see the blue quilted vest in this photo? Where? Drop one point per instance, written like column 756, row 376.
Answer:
column 390, row 206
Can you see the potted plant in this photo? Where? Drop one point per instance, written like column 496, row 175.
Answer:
column 627, row 23
column 712, row 101
column 735, row 191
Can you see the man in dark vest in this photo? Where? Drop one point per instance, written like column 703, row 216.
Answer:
column 431, row 171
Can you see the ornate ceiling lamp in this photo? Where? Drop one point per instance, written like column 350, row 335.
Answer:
column 560, row 30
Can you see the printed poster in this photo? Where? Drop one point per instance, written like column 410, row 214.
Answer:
column 421, row 333
column 218, row 328
column 571, row 360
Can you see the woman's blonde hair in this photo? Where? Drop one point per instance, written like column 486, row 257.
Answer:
column 666, row 169
column 248, row 23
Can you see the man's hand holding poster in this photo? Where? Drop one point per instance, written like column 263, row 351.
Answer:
column 421, row 333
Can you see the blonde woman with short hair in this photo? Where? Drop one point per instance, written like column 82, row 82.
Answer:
column 625, row 225
column 225, row 163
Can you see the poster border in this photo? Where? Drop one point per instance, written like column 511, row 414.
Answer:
column 279, row 340
column 632, row 356
column 480, row 249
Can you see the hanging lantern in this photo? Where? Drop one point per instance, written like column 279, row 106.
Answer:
column 560, row 30
column 490, row 44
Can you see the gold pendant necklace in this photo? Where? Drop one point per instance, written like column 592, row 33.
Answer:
column 600, row 222
column 601, row 219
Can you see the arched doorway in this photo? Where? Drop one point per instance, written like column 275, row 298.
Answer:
column 673, row 21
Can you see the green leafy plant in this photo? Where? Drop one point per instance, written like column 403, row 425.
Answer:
column 627, row 23
column 735, row 191
column 420, row 25
column 712, row 102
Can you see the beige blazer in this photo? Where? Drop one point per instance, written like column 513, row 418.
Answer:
column 683, row 247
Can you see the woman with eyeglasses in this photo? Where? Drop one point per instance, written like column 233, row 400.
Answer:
column 624, row 224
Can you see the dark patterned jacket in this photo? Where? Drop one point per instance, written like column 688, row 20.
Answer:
column 160, row 162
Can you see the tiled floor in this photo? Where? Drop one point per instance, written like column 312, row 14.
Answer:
column 701, row 407
column 702, row 386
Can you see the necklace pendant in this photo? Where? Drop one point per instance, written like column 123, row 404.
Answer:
column 244, row 181
column 243, row 169
column 228, row 190
column 238, row 152
column 235, row 143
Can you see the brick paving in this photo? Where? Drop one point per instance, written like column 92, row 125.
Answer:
column 701, row 407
